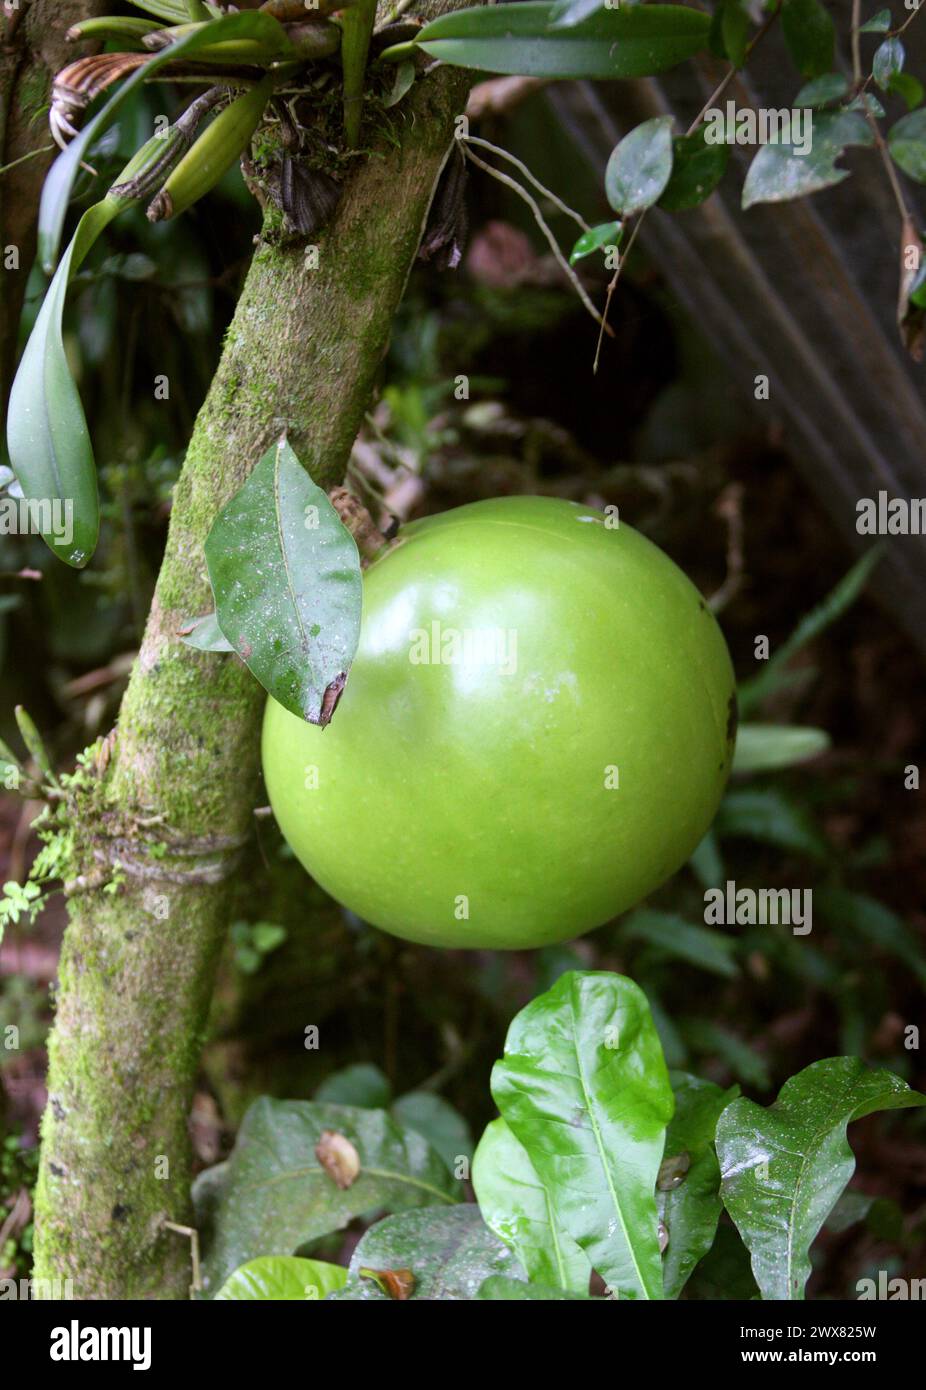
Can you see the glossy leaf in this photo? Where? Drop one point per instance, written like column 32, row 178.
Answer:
column 783, row 1168
column 450, row 1254
column 697, row 168
column 596, row 239
column 778, row 173
column 639, row 167
column 688, row 1188
column 567, row 12
column 672, row 935
column 498, row 1289
column 583, row 1086
column 518, row 1209
column 906, row 141
column 56, row 191
column 286, row 577
column 272, row 1194
column 810, row 35
column 280, row 1278
column 889, row 59
column 522, row 40
column 766, row 747
column 47, row 434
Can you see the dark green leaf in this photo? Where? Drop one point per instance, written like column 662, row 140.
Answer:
column 711, row 1040
column 906, row 141
column 282, row 1278
column 707, row 862
column 286, row 577
column 725, row 1272
column 779, row 173
column 583, row 1086
column 888, row 60
column 810, row 35
column 56, row 191
column 688, row 1196
column 734, row 30
column 767, row 747
column 908, row 87
column 639, row 167
column 710, row 950
column 596, row 238
column 874, row 923
column 449, row 1252
column 697, row 168
column 820, row 91
column 769, row 817
column 273, row 1194
column 435, row 1118
column 520, row 39
column 515, row 1205
column 401, row 84
column 784, row 1167
column 498, row 1289
column 837, row 602
column 206, row 635
column 363, row 1085
column 878, row 24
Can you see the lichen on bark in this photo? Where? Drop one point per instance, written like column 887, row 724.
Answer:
column 177, row 793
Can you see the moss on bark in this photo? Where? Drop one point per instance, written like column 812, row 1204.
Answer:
column 174, row 802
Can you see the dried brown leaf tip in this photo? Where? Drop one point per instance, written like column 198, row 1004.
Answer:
column 397, row 1283
column 338, row 1157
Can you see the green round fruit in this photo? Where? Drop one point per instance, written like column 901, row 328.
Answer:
column 537, row 728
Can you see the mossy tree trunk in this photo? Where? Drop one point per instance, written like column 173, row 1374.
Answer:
column 170, row 804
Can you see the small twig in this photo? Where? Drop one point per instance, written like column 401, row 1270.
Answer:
column 193, row 1236
column 856, row 42
column 730, row 507
column 551, row 239
column 506, row 154
column 714, row 97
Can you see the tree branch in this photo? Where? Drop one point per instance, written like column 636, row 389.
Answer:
column 138, row 965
